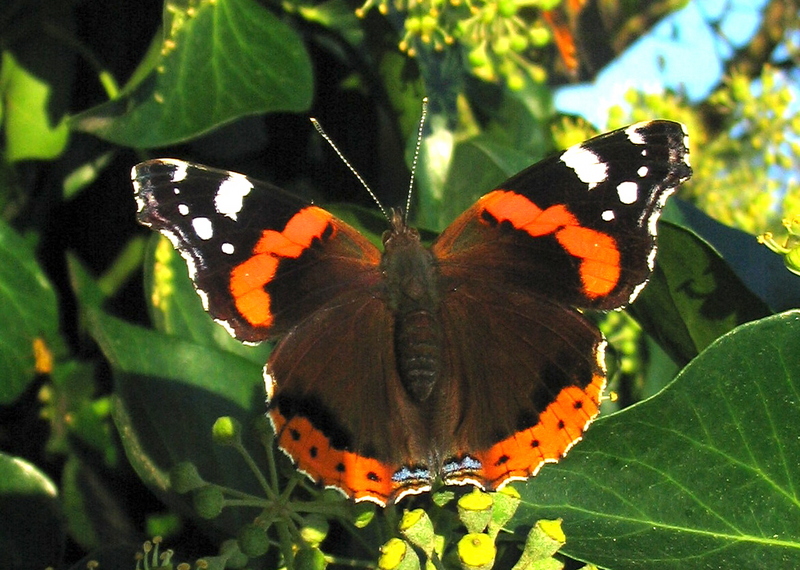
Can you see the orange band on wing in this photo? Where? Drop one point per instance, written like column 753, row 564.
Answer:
column 598, row 252
column 600, row 265
column 361, row 478
column 560, row 426
column 248, row 279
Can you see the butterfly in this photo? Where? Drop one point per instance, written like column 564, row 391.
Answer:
column 468, row 361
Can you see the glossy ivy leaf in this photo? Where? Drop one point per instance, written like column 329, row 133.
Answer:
column 28, row 316
column 693, row 296
column 167, row 394
column 32, row 534
column 702, row 475
column 218, row 61
column 761, row 270
column 455, row 170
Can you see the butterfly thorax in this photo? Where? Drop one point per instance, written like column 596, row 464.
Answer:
column 411, row 279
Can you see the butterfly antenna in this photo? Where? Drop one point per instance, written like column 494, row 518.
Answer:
column 350, row 166
column 422, row 119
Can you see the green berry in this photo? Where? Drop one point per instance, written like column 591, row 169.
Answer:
column 253, row 540
column 208, row 501
column 184, row 477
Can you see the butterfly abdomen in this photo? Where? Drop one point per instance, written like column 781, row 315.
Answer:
column 411, row 277
column 418, row 346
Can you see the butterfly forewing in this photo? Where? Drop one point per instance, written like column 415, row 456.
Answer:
column 578, row 227
column 246, row 243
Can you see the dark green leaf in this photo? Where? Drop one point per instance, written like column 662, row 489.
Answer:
column 32, row 534
column 84, row 489
column 84, row 285
column 219, row 61
column 336, row 15
column 761, row 270
column 693, row 297
column 28, row 314
column 704, row 475
column 455, row 170
column 169, row 392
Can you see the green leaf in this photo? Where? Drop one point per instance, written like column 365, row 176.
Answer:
column 32, row 534
column 31, row 130
column 79, row 498
column 336, row 16
column 28, row 315
column 405, row 94
column 703, row 475
column 168, row 393
column 135, row 350
column 761, row 270
column 86, row 174
column 218, row 61
column 693, row 297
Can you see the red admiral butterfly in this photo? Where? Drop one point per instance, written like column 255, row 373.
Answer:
column 468, row 360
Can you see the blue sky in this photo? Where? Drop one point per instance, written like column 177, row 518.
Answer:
column 682, row 53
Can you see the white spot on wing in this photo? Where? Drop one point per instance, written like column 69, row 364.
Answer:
column 203, row 298
column 230, row 194
column 227, row 248
column 586, row 164
column 179, row 174
column 203, row 228
column 652, row 223
column 651, row 259
column 227, row 326
column 634, row 134
column 600, row 354
column 642, row 172
column 656, row 213
column 190, row 266
column 636, row 290
column 183, row 209
column 269, row 382
column 608, row 215
column 628, row 192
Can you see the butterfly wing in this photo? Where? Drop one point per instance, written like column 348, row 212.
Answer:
column 578, row 227
column 575, row 230
column 261, row 259
column 266, row 263
column 523, row 386
column 340, row 409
